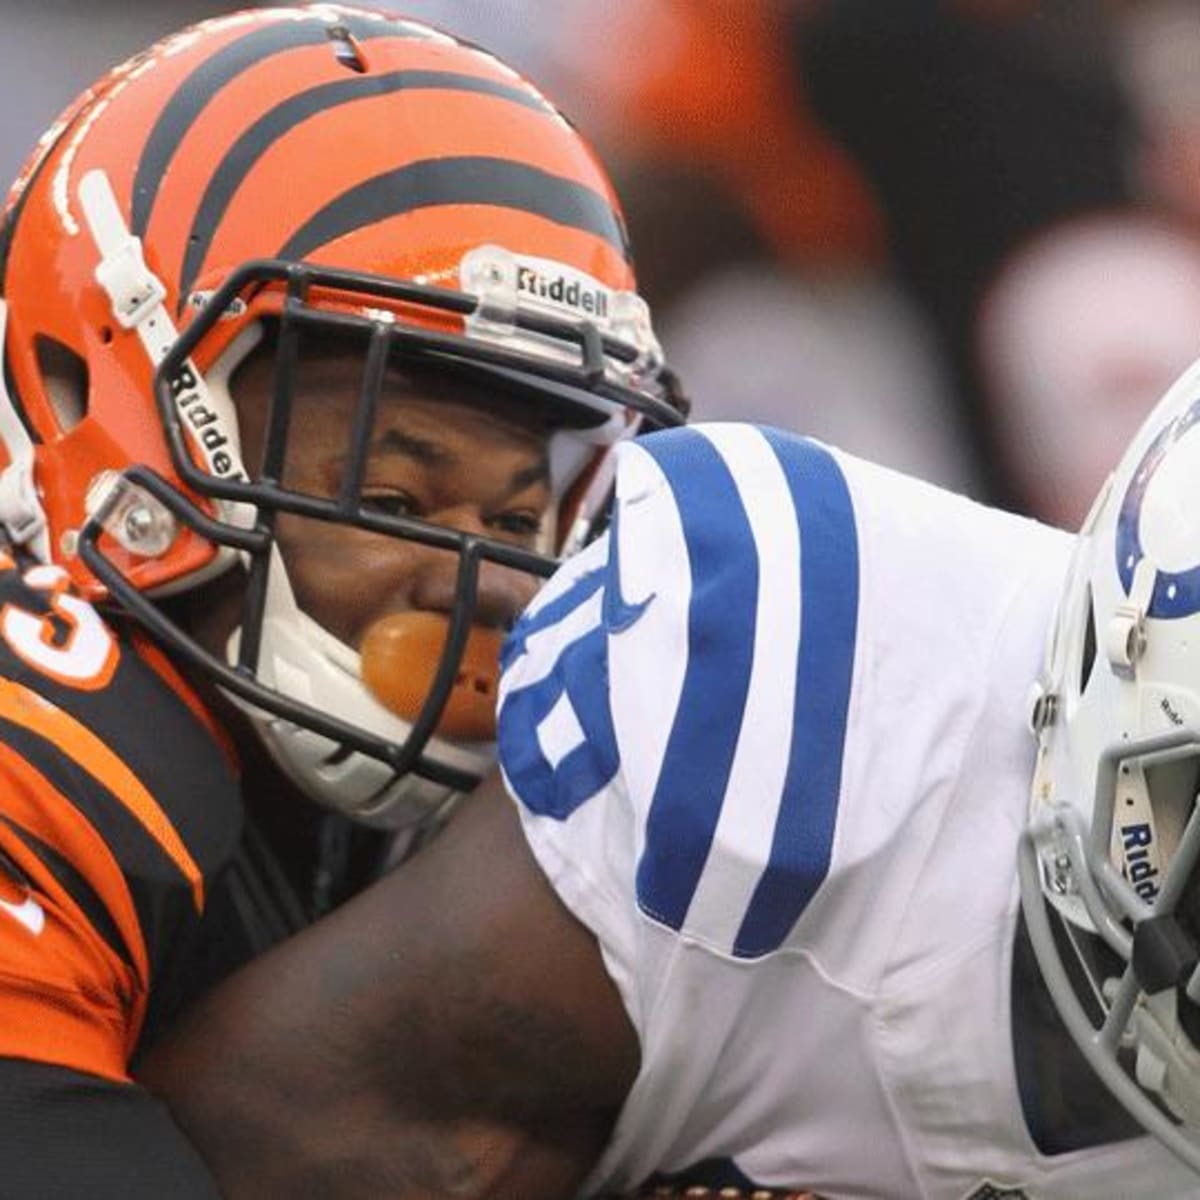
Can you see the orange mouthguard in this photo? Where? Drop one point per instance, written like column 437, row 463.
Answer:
column 400, row 656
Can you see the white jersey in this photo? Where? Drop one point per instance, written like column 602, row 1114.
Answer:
column 768, row 742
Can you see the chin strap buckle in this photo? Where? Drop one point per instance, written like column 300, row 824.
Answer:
column 134, row 291
column 21, row 511
column 1125, row 633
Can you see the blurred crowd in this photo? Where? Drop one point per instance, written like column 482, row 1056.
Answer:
column 960, row 237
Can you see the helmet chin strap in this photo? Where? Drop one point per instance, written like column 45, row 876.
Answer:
column 1135, row 844
column 136, row 297
column 1165, row 1056
column 302, row 660
column 21, row 511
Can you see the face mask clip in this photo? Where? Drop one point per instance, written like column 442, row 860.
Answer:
column 136, row 520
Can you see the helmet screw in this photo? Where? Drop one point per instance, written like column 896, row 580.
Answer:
column 1062, row 877
column 1043, row 707
column 139, row 524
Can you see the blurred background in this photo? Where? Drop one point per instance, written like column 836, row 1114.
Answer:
column 960, row 237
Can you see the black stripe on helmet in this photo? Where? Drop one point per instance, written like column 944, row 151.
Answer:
column 241, row 157
column 498, row 182
column 217, row 72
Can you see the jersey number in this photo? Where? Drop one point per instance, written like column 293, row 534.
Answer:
column 68, row 641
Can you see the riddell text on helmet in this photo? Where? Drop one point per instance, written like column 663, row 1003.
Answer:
column 1139, row 869
column 206, row 424
column 569, row 291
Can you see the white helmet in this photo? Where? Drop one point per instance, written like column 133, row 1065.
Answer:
column 1112, row 842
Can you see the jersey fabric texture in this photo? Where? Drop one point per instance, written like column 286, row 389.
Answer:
column 768, row 743
column 120, row 807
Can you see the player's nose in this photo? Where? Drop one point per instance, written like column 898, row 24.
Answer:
column 500, row 594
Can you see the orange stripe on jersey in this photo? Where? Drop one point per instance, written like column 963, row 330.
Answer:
column 33, row 712
column 33, row 804
column 66, row 995
column 68, row 1029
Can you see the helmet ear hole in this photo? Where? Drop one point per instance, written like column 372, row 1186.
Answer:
column 1087, row 659
column 65, row 377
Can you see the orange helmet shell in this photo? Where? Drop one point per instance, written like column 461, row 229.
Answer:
column 322, row 134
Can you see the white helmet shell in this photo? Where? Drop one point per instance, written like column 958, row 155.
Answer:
column 1112, row 842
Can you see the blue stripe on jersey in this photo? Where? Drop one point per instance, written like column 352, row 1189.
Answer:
column 683, row 813
column 549, row 614
column 803, row 837
column 580, row 673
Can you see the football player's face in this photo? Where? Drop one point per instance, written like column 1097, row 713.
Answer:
column 441, row 449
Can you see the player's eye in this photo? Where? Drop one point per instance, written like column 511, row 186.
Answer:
column 523, row 524
column 391, row 504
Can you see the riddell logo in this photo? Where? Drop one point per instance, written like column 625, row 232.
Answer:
column 569, row 291
column 1137, row 844
column 205, row 424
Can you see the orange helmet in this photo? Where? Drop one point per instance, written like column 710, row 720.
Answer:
column 310, row 165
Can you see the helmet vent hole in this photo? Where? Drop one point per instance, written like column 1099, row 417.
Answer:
column 346, row 50
column 1088, row 658
column 65, row 377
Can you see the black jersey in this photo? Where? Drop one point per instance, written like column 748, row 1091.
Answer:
column 119, row 810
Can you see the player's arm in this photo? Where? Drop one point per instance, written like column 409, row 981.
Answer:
column 72, row 971
column 109, row 848
column 450, row 1032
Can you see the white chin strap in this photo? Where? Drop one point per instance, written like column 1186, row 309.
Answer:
column 304, row 662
